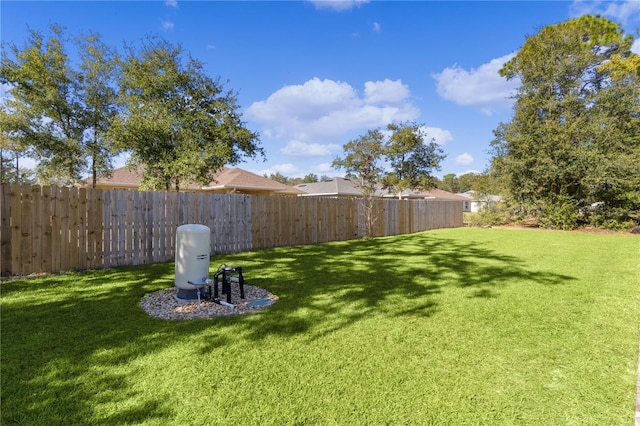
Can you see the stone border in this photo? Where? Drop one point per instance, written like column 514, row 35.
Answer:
column 164, row 304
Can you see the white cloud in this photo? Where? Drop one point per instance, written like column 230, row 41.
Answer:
column 286, row 169
column 5, row 92
column 324, row 111
column 440, row 136
column 171, row 3
column 464, row 159
column 167, row 25
column 483, row 87
column 376, row 27
column 338, row 5
column 325, row 169
column 385, row 91
column 623, row 11
column 293, row 171
column 475, row 172
column 299, row 149
column 303, row 102
column 636, row 46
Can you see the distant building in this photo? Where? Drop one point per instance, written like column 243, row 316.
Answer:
column 226, row 180
column 336, row 187
column 344, row 187
column 475, row 202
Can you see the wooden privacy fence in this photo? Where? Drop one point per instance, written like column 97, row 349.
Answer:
column 53, row 229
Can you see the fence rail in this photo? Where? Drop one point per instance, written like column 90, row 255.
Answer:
column 52, row 229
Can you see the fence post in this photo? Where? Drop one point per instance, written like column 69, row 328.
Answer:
column 5, row 229
column 52, row 229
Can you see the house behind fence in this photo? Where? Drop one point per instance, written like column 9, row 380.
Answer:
column 51, row 229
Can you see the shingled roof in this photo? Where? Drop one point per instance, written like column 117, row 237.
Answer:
column 227, row 180
column 336, row 187
column 343, row 187
column 440, row 194
column 239, row 180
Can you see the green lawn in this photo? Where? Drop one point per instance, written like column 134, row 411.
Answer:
column 449, row 327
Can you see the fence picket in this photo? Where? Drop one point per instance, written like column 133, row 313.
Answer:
column 52, row 229
column 16, row 228
column 26, row 228
column 5, row 230
column 36, row 228
column 45, row 218
column 82, row 229
column 72, row 230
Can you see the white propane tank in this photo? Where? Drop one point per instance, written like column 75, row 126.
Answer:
column 192, row 258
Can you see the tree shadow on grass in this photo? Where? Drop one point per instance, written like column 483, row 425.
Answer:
column 325, row 288
column 65, row 337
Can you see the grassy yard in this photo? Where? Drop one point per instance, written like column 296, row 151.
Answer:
column 451, row 327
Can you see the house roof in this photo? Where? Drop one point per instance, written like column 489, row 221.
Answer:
column 443, row 195
column 339, row 186
column 383, row 192
column 242, row 180
column 122, row 177
column 225, row 180
column 335, row 187
column 471, row 195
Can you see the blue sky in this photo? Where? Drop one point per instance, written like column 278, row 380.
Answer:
column 312, row 75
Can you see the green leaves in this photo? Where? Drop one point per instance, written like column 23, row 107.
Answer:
column 363, row 157
column 412, row 158
column 411, row 163
column 64, row 110
column 180, row 123
column 576, row 120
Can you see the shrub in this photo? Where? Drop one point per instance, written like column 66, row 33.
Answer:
column 560, row 211
column 613, row 218
column 490, row 215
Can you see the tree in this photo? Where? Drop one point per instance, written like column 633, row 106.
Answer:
column 12, row 149
column 310, row 178
column 363, row 159
column 483, row 183
column 412, row 159
column 179, row 123
column 573, row 139
column 614, row 177
column 278, row 177
column 61, row 121
column 449, row 183
column 10, row 170
column 467, row 182
column 97, row 68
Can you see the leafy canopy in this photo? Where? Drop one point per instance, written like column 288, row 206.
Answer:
column 363, row 159
column 574, row 138
column 179, row 123
column 58, row 112
column 409, row 157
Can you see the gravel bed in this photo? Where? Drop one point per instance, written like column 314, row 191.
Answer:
column 164, row 304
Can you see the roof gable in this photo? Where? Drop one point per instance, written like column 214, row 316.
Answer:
column 226, row 180
column 239, row 179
